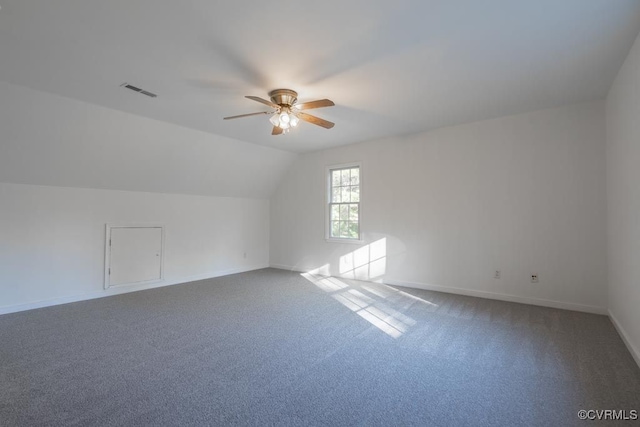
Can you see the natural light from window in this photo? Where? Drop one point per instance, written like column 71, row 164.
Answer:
column 368, row 305
column 366, row 263
column 344, row 203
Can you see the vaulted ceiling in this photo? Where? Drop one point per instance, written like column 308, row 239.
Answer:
column 391, row 67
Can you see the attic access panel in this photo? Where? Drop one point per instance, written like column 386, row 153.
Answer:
column 134, row 255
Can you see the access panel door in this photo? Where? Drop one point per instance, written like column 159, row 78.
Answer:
column 135, row 255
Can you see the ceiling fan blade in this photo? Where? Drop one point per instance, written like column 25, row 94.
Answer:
column 316, row 120
column 263, row 101
column 247, row 115
column 315, row 104
column 276, row 130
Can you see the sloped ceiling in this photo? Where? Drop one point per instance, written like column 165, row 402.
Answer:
column 392, row 67
column 50, row 140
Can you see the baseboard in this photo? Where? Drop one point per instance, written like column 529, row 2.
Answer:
column 635, row 352
column 479, row 294
column 500, row 297
column 220, row 273
column 124, row 289
column 287, row 267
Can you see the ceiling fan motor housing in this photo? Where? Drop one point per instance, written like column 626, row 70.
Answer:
column 283, row 97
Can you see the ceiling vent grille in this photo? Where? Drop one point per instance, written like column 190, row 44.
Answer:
column 137, row 89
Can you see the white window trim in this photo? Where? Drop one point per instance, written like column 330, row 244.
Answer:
column 327, row 201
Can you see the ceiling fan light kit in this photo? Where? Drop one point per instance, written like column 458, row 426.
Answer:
column 286, row 114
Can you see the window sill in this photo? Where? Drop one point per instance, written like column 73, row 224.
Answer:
column 348, row 241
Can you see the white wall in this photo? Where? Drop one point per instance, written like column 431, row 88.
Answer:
column 524, row 194
column 52, row 239
column 623, row 199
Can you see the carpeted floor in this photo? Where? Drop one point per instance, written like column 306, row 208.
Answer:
column 271, row 347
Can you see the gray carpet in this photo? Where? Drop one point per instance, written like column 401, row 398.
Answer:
column 270, row 347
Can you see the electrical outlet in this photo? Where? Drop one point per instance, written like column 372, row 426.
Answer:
column 497, row 274
column 534, row 278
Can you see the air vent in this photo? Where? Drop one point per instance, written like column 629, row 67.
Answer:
column 137, row 89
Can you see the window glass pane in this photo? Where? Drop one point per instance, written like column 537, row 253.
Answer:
column 345, row 194
column 353, row 230
column 335, row 228
column 335, row 213
column 344, row 203
column 344, row 212
column 344, row 228
column 336, row 195
column 355, row 194
column 335, row 178
column 353, row 212
column 346, row 179
column 355, row 176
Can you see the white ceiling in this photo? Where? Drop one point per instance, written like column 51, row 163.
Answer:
column 392, row 67
column 52, row 140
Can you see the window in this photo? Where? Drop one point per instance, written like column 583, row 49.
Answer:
column 344, row 202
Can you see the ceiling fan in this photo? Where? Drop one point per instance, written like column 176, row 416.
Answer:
column 286, row 113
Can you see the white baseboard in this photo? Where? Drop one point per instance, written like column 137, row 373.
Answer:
column 480, row 294
column 124, row 290
column 287, row 267
column 500, row 297
column 635, row 352
column 220, row 273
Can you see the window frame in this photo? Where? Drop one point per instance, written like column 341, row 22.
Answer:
column 327, row 203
